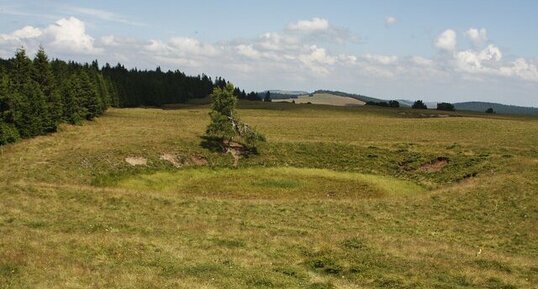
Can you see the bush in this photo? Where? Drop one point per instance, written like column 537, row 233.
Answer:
column 445, row 106
column 8, row 133
column 419, row 105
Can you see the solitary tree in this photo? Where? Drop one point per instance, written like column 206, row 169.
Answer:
column 490, row 110
column 267, row 97
column 419, row 105
column 225, row 126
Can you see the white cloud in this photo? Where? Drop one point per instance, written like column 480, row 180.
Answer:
column 389, row 20
column 66, row 35
column 477, row 36
column 314, row 24
column 191, row 46
column 317, row 60
column 381, row 59
column 422, row 61
column 69, row 34
column 523, row 69
column 446, row 40
column 248, row 51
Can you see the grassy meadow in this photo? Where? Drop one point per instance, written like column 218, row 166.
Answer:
column 338, row 197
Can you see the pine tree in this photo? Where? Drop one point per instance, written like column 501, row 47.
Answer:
column 70, row 91
column 42, row 74
column 225, row 126
column 8, row 131
column 33, row 116
column 89, row 100
column 22, row 70
column 30, row 114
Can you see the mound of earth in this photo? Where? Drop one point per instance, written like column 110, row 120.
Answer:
column 136, row 161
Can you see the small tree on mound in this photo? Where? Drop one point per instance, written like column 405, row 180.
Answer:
column 419, row 105
column 225, row 128
column 445, row 106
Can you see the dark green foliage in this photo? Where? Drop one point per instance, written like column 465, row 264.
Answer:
column 134, row 88
column 8, row 133
column 33, row 118
column 267, row 97
column 70, row 90
column 445, row 106
column 419, row 105
column 89, row 101
column 35, row 96
column 490, row 110
column 225, row 126
column 42, row 74
column 391, row 103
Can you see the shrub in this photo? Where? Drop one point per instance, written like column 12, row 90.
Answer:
column 419, row 105
column 8, row 133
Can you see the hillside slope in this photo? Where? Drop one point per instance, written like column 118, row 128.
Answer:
column 497, row 107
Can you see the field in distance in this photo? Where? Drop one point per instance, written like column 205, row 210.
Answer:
column 339, row 197
column 323, row 98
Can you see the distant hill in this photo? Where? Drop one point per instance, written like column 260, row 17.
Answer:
column 281, row 94
column 409, row 103
column 497, row 107
column 323, row 98
column 363, row 98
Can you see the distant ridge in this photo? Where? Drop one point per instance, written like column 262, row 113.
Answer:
column 497, row 107
column 478, row 106
column 352, row 95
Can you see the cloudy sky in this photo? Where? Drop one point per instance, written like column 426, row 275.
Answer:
column 431, row 50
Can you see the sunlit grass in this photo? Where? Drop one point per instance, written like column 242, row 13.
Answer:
column 274, row 182
column 335, row 199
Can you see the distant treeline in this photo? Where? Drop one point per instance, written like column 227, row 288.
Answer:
column 37, row 95
column 136, row 88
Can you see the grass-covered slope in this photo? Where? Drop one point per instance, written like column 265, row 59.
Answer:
column 338, row 198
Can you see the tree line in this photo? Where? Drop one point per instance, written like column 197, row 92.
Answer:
column 36, row 95
column 135, row 88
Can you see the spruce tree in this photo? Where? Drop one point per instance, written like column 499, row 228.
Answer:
column 33, row 117
column 22, row 70
column 42, row 74
column 69, row 94
column 8, row 131
column 88, row 98
column 225, row 126
column 30, row 115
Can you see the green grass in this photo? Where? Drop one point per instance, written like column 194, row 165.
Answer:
column 270, row 183
column 335, row 199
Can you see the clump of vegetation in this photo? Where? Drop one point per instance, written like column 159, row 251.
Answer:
column 445, row 106
column 419, row 104
column 490, row 110
column 34, row 99
column 390, row 103
column 225, row 128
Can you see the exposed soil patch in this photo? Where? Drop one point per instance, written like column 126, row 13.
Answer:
column 173, row 159
column 199, row 160
column 435, row 165
column 425, row 115
column 236, row 150
column 136, row 161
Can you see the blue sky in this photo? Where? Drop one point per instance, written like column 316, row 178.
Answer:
column 431, row 50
